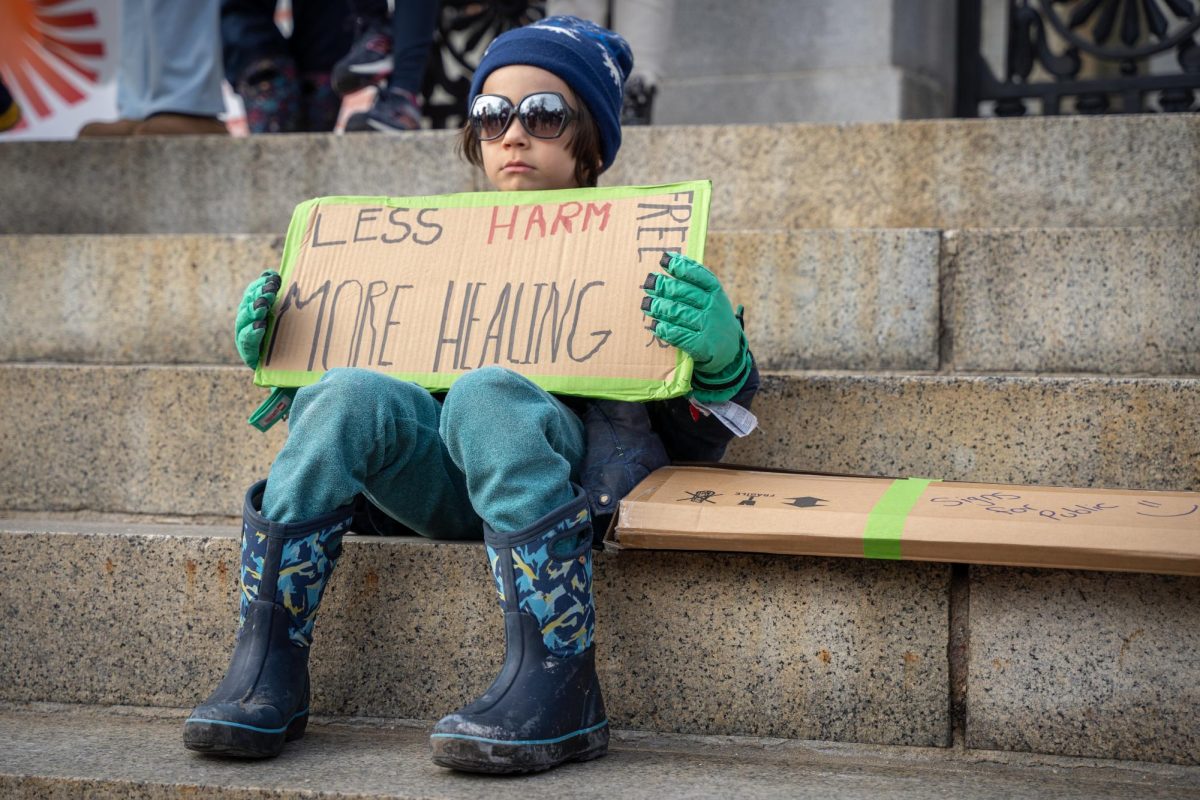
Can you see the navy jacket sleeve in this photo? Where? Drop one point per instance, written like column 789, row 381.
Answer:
column 689, row 437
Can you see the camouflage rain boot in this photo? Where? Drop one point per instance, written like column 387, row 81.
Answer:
column 263, row 700
column 545, row 707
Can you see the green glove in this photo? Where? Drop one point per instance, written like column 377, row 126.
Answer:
column 251, row 323
column 692, row 312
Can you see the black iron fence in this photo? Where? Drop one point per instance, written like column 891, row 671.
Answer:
column 465, row 28
column 1082, row 56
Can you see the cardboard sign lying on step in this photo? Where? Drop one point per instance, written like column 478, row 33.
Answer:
column 714, row 508
column 427, row 288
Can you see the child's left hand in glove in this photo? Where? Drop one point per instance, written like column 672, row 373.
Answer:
column 691, row 311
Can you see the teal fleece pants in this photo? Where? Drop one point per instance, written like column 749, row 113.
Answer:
column 499, row 448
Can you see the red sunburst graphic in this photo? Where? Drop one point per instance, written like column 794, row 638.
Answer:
column 50, row 39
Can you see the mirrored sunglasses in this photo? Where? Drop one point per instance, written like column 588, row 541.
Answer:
column 544, row 115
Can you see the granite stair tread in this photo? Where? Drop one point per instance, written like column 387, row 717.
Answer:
column 60, row 751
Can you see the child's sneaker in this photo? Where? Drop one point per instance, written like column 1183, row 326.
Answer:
column 270, row 91
column 368, row 63
column 395, row 111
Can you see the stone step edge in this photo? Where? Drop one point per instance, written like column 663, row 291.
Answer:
column 798, row 374
column 724, row 747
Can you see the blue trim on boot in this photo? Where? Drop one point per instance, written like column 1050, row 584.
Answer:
column 545, row 707
column 263, row 700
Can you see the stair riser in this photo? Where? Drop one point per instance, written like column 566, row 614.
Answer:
column 174, row 440
column 1110, row 301
column 1117, row 433
column 1053, row 171
column 172, row 299
column 806, row 648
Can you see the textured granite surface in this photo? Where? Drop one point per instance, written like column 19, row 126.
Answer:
column 213, row 184
column 834, row 299
column 1085, row 663
column 153, row 440
column 1140, row 433
column 127, row 299
column 64, row 752
column 845, row 650
column 1036, row 172
column 869, row 297
column 1101, row 300
column 173, row 440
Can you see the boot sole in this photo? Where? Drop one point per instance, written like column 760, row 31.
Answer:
column 240, row 741
column 497, row 757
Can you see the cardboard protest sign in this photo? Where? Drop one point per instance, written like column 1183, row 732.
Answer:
column 426, row 288
column 741, row 510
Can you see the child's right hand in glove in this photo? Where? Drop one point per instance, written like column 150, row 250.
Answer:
column 251, row 323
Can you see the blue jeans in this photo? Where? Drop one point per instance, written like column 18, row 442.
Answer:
column 170, row 59
column 498, row 449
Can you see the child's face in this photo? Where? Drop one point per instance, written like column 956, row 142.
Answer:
column 517, row 161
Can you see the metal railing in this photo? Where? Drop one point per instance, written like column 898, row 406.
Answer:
column 464, row 30
column 1058, row 55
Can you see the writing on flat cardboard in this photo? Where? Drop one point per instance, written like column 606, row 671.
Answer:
column 1007, row 503
column 542, row 288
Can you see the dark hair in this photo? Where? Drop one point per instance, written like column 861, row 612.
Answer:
column 584, row 144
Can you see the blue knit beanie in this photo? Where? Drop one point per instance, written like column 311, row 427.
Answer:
column 590, row 59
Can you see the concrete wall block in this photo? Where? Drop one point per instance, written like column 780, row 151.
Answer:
column 127, row 299
column 1138, row 433
column 865, row 94
column 715, row 38
column 1084, row 663
column 1090, row 300
column 835, row 299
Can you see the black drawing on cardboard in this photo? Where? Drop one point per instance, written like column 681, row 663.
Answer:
column 702, row 496
column 805, row 502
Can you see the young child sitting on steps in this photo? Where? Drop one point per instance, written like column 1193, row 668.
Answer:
column 496, row 455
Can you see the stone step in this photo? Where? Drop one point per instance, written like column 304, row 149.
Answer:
column 1047, row 171
column 57, row 751
column 1054, row 661
column 171, row 299
column 173, row 440
column 116, row 613
column 1101, row 300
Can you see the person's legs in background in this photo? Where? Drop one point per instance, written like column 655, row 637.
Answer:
column 169, row 80
column 259, row 66
column 321, row 34
column 397, row 107
column 369, row 60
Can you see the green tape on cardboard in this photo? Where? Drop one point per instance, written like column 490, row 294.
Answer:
column 885, row 523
